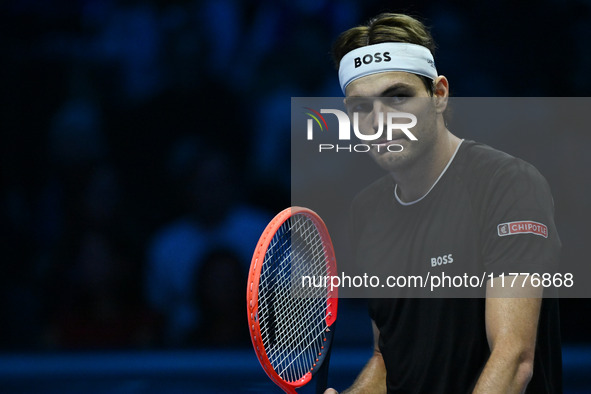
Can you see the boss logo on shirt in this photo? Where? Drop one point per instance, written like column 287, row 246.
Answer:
column 522, row 227
column 442, row 260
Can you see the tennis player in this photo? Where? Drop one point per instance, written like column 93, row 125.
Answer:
column 453, row 200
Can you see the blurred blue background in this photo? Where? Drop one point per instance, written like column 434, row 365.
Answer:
column 145, row 145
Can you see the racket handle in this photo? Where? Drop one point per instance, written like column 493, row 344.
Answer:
column 322, row 374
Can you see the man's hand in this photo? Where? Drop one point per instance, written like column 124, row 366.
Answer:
column 372, row 378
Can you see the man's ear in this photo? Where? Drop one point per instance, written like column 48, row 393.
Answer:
column 441, row 93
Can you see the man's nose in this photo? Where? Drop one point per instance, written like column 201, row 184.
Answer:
column 377, row 114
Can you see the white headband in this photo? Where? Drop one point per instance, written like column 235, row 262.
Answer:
column 387, row 56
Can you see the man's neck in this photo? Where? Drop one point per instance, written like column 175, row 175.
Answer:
column 416, row 180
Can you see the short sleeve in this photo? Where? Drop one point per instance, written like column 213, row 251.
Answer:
column 519, row 233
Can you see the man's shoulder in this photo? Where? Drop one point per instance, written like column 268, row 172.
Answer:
column 477, row 156
column 480, row 163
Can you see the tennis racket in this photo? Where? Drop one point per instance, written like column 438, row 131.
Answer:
column 291, row 321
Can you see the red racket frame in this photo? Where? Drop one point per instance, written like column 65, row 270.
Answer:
column 252, row 291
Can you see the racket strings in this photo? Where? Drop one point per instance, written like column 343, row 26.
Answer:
column 290, row 331
column 310, row 316
column 308, row 258
column 292, row 317
column 304, row 358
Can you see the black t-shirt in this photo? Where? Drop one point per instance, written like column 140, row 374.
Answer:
column 488, row 213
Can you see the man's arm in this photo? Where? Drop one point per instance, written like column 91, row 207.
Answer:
column 372, row 378
column 511, row 327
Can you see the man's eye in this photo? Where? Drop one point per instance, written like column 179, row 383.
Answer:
column 397, row 99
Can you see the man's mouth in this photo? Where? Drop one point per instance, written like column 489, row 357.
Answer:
column 395, row 140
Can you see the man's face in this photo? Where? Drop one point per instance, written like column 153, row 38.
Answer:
column 388, row 92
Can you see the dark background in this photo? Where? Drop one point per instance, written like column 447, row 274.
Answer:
column 145, row 144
